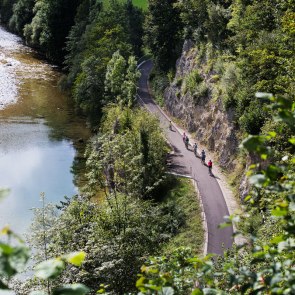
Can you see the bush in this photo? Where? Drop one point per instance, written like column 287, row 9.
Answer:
column 191, row 81
column 253, row 119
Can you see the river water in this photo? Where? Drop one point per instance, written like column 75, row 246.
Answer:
column 41, row 138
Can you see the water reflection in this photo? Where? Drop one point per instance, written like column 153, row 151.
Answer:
column 40, row 136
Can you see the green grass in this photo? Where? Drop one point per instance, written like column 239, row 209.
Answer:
column 191, row 234
column 139, row 3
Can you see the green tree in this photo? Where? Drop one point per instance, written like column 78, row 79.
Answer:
column 121, row 79
column 22, row 15
column 163, row 32
column 50, row 26
column 129, row 157
column 194, row 15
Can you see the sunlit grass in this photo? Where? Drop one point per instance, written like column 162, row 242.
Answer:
column 191, row 234
column 139, row 3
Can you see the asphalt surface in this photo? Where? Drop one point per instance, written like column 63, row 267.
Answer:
column 184, row 162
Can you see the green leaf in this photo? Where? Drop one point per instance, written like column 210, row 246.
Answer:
column 75, row 258
column 272, row 134
column 49, row 269
column 258, row 180
column 272, row 172
column 19, row 258
column 75, row 289
column 292, row 140
column 263, row 156
column 277, row 240
column 248, row 198
column 279, row 212
column 5, row 249
column 197, row 292
column 286, row 117
column 254, row 143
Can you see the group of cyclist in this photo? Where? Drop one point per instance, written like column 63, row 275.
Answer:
column 195, row 147
column 203, row 154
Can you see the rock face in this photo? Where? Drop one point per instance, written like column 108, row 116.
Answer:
column 202, row 112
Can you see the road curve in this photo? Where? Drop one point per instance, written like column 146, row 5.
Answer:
column 183, row 161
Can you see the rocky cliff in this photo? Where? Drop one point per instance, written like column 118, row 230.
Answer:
column 194, row 97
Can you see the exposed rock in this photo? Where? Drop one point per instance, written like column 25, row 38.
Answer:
column 213, row 125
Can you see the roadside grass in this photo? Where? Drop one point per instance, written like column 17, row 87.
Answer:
column 191, row 234
column 143, row 4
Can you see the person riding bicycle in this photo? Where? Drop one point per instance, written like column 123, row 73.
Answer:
column 184, row 137
column 186, row 142
column 170, row 125
column 195, row 148
column 210, row 164
column 203, row 156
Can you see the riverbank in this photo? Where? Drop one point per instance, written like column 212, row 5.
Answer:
column 8, row 66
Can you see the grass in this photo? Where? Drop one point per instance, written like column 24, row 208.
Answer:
column 139, row 3
column 192, row 233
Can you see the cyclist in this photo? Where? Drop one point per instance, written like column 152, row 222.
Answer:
column 184, row 137
column 195, row 148
column 186, row 142
column 203, row 157
column 210, row 167
column 170, row 125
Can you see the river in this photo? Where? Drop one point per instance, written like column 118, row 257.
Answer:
column 41, row 138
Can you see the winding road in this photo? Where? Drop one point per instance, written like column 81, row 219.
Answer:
column 184, row 162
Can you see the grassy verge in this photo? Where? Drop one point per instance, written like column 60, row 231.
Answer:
column 191, row 234
column 158, row 83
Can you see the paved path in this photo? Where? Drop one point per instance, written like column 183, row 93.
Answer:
column 183, row 161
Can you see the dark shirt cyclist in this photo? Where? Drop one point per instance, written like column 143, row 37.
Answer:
column 195, row 148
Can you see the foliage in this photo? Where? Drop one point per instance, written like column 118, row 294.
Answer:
column 130, row 156
column 91, row 46
column 262, row 266
column 116, row 234
column 121, row 80
column 191, row 81
column 83, row 35
column 183, row 193
column 14, row 256
column 22, row 15
column 161, row 32
column 159, row 82
column 143, row 4
column 50, row 26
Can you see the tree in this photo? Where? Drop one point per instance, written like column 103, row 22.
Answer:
column 163, row 32
column 129, row 157
column 194, row 16
column 121, row 79
column 22, row 15
column 50, row 26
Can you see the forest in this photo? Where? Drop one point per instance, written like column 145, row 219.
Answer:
column 133, row 229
